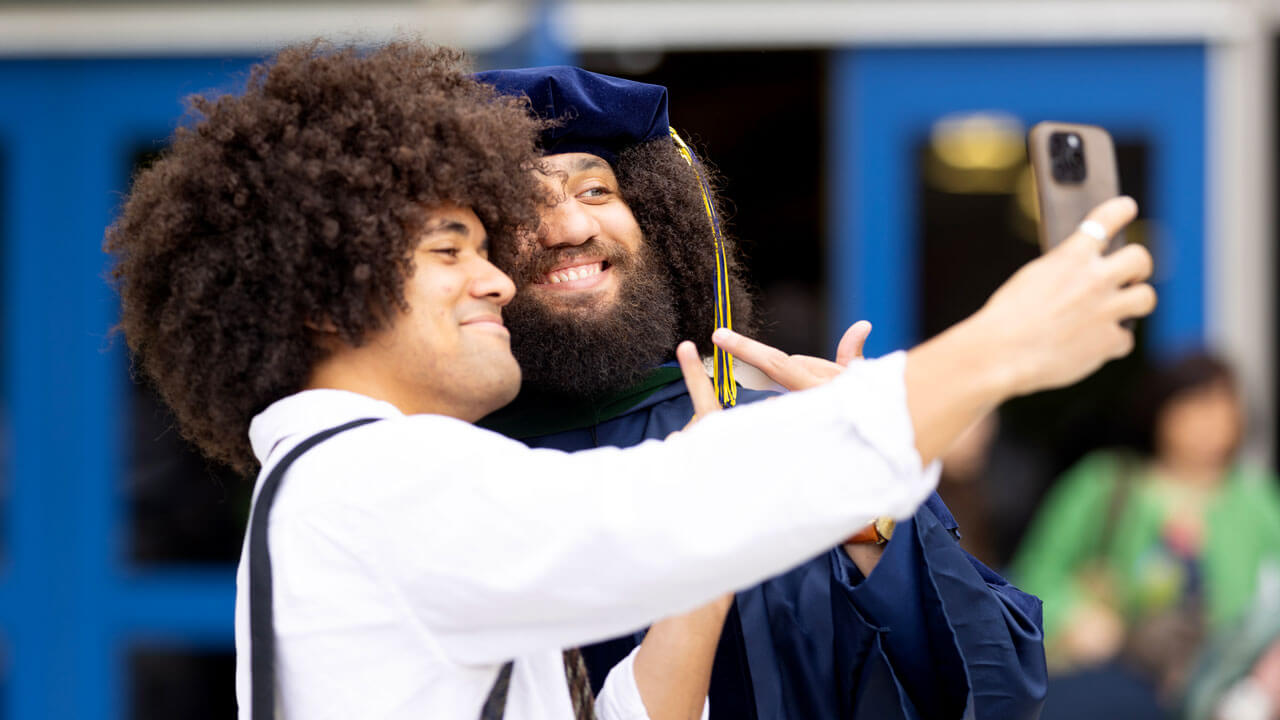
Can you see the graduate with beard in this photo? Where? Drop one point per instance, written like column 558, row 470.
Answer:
column 630, row 258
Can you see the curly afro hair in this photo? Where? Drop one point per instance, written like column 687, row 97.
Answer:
column 663, row 193
column 294, row 205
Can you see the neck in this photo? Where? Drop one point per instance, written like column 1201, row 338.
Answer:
column 1190, row 473
column 341, row 371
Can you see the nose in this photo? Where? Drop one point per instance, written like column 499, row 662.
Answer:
column 490, row 283
column 567, row 223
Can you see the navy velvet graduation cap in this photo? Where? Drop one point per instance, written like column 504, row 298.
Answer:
column 604, row 115
column 599, row 114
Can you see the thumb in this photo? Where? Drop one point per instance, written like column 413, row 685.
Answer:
column 850, row 347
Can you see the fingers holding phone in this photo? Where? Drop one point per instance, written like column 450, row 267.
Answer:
column 1059, row 317
column 1098, row 228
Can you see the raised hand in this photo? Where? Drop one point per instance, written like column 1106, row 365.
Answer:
column 1059, row 317
column 1054, row 322
column 795, row 372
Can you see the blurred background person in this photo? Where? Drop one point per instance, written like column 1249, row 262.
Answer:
column 1139, row 556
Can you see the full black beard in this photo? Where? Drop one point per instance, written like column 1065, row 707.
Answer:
column 589, row 354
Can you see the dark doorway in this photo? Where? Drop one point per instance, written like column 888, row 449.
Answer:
column 758, row 118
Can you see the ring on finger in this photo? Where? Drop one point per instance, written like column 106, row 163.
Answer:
column 1095, row 230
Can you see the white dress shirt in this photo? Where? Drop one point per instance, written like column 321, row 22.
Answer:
column 413, row 556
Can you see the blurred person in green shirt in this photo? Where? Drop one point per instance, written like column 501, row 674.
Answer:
column 1139, row 557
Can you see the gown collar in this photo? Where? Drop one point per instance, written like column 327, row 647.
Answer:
column 532, row 415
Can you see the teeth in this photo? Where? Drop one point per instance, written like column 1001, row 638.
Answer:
column 577, row 273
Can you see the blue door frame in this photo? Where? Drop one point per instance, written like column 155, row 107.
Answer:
column 884, row 101
column 69, row 605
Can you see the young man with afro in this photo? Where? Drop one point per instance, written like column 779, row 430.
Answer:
column 304, row 277
column 629, row 260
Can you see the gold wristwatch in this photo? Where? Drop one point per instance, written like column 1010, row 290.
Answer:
column 877, row 533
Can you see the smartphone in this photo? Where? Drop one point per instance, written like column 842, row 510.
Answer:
column 1074, row 167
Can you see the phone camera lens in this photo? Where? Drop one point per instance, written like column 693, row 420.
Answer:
column 1066, row 155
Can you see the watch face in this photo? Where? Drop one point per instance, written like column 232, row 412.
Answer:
column 884, row 528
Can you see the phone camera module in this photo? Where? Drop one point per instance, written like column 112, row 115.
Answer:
column 1066, row 154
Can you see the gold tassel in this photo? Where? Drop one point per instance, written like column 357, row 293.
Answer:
column 726, row 385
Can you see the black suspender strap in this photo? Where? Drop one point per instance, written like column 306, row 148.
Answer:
column 496, row 704
column 262, row 631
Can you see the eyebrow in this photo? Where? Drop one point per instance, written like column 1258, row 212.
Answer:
column 447, row 226
column 453, row 226
column 584, row 164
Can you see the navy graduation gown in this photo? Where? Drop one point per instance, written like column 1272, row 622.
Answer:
column 931, row 634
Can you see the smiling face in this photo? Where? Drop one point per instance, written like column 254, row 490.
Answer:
column 449, row 352
column 595, row 310
column 587, row 244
